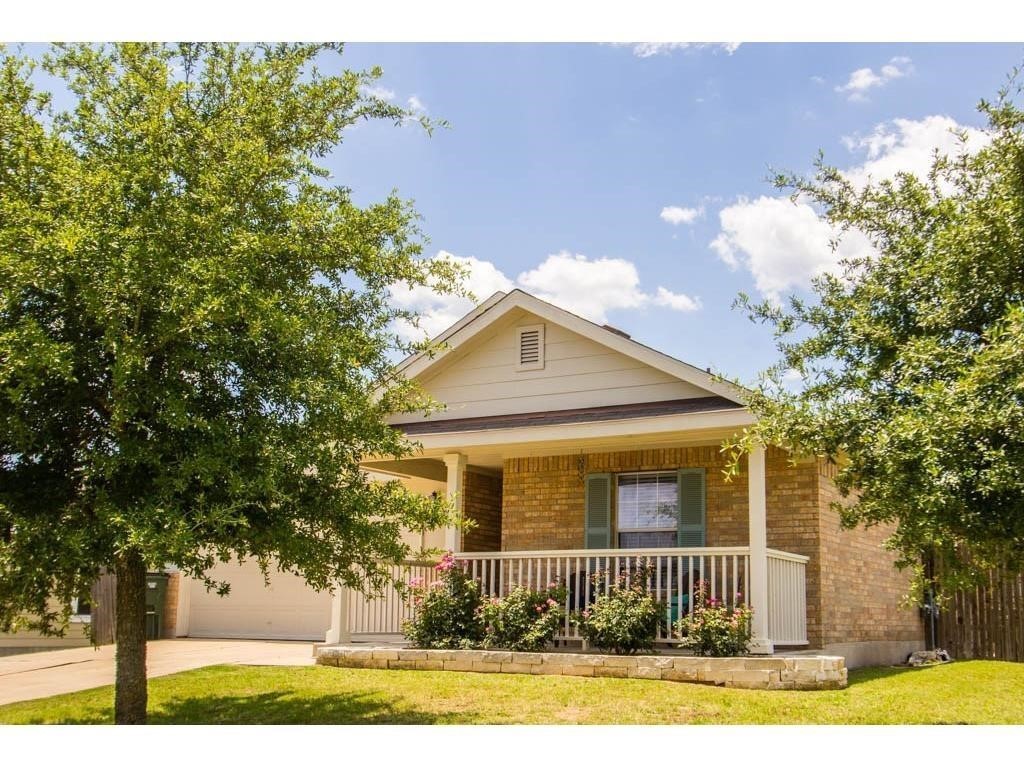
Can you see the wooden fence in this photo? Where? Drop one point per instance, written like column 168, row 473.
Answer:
column 986, row 622
column 102, row 596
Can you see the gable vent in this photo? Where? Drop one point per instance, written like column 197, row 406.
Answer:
column 530, row 347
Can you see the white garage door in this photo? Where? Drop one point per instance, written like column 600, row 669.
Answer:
column 286, row 610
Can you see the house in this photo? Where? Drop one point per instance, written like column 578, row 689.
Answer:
column 575, row 449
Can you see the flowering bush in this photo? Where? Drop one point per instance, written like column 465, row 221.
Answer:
column 625, row 620
column 525, row 619
column 448, row 611
column 714, row 629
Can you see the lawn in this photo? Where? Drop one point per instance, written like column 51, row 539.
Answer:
column 964, row 692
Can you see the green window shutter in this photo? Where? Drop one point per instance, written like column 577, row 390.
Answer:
column 691, row 508
column 598, row 502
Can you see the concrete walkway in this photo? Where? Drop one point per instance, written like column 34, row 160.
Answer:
column 47, row 673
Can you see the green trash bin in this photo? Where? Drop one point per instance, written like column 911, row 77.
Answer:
column 156, row 594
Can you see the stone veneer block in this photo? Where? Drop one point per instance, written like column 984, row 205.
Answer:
column 578, row 670
column 523, row 657
column 771, row 673
column 429, row 665
column 645, row 673
column 496, row 657
column 407, row 655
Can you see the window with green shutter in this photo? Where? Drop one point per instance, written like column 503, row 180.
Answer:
column 691, row 507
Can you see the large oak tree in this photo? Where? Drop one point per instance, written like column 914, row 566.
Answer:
column 912, row 358
column 195, row 331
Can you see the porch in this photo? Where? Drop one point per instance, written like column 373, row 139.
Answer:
column 672, row 580
column 586, row 501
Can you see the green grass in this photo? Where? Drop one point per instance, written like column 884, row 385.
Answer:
column 964, row 692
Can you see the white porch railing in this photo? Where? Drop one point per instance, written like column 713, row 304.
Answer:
column 673, row 579
column 384, row 614
column 787, row 598
column 674, row 575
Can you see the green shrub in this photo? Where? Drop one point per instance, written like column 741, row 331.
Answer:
column 448, row 612
column 626, row 619
column 714, row 629
column 525, row 619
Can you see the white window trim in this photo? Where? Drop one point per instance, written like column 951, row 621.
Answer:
column 539, row 364
column 76, row 617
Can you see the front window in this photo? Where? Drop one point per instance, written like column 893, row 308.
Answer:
column 648, row 509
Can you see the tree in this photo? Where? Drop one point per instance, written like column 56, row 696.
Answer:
column 195, row 332
column 912, row 359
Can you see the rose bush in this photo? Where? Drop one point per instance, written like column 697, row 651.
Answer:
column 626, row 619
column 715, row 629
column 525, row 619
column 448, row 611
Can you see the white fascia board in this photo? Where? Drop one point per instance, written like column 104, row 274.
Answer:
column 476, row 323
column 678, row 424
column 444, row 335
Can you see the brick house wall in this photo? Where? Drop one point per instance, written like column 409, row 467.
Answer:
column 860, row 585
column 482, row 504
column 853, row 591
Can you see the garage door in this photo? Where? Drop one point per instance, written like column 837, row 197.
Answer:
column 286, row 610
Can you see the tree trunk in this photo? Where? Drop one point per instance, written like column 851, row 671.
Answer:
column 130, row 679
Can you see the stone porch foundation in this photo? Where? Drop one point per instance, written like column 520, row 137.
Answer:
column 802, row 673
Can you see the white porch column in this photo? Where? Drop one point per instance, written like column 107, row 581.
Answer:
column 456, row 463
column 338, row 633
column 758, row 587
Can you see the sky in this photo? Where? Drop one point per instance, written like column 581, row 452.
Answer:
column 628, row 182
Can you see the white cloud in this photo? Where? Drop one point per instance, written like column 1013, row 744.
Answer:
column 676, row 215
column 677, row 301
column 864, row 79
column 588, row 287
column 436, row 311
column 416, row 105
column 646, row 50
column 908, row 146
column 377, row 92
column 783, row 245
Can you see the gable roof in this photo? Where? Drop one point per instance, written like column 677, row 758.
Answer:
column 500, row 305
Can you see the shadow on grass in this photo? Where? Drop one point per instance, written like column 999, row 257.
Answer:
column 283, row 707
column 870, row 674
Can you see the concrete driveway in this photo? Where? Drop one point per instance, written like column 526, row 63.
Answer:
column 47, row 673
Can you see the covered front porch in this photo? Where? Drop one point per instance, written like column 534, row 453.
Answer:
column 560, row 508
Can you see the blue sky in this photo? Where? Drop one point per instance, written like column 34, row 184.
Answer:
column 561, row 160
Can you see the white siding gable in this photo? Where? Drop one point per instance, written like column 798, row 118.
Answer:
column 485, row 378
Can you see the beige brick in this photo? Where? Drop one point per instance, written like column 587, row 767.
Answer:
column 517, row 669
column 458, row 665
column 384, row 654
column 486, row 666
column 611, row 672
column 430, row 665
